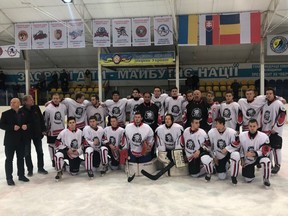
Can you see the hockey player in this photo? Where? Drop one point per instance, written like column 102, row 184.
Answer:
column 174, row 105
column 196, row 144
column 133, row 103
column 69, row 145
column 95, row 153
column 214, row 110
column 273, row 120
column 159, row 100
column 117, row 107
column 97, row 109
column 230, row 111
column 225, row 146
column 255, row 149
column 54, row 117
column 112, row 139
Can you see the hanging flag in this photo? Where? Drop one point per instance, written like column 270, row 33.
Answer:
column 188, row 30
column 40, row 39
column 76, row 34
column 23, row 35
column 58, row 35
column 10, row 51
column 101, row 33
column 163, row 31
column 141, row 32
column 243, row 28
column 121, row 29
column 277, row 44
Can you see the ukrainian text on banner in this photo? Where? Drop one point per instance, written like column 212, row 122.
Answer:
column 163, row 31
column 141, row 32
column 9, row 51
column 40, row 38
column 58, row 35
column 277, row 44
column 23, row 35
column 101, row 33
column 134, row 59
column 243, row 28
column 76, row 34
column 188, row 30
column 121, row 29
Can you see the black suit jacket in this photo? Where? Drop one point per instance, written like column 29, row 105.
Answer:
column 7, row 122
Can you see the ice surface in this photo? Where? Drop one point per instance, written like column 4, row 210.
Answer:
column 113, row 195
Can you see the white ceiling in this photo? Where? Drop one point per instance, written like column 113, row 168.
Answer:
column 15, row 11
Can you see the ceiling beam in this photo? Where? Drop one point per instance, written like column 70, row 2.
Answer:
column 271, row 12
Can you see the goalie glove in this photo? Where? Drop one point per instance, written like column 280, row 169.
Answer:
column 162, row 157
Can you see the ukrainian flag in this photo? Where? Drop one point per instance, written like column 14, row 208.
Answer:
column 188, row 30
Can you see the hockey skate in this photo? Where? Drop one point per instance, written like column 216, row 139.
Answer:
column 234, row 181
column 275, row 169
column 58, row 176
column 208, row 178
column 266, row 183
column 90, row 174
column 104, row 170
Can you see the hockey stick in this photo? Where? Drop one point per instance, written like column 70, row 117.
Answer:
column 159, row 174
column 129, row 178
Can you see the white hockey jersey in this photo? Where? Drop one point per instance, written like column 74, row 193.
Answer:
column 55, row 118
column 90, row 134
column 219, row 141
column 193, row 141
column 174, row 107
column 131, row 107
column 230, row 113
column 253, row 145
column 168, row 138
column 215, row 112
column 77, row 110
column 113, row 135
column 99, row 112
column 160, row 103
column 273, row 117
column 70, row 139
column 135, row 137
column 117, row 109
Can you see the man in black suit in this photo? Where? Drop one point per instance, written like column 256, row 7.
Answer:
column 15, row 122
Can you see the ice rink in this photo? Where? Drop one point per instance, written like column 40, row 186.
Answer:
column 113, row 195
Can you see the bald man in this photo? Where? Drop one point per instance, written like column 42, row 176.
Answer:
column 15, row 122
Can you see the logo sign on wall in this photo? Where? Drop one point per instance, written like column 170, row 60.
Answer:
column 10, row 51
column 141, row 32
column 121, row 29
column 76, row 34
column 58, row 35
column 163, row 31
column 101, row 33
column 277, row 45
column 40, row 38
column 23, row 35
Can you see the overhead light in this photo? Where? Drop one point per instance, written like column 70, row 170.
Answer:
column 67, row 1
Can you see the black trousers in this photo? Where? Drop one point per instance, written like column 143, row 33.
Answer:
column 37, row 141
column 9, row 153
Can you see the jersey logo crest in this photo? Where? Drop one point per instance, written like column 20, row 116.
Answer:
column 226, row 113
column 169, row 138
column 197, row 113
column 267, row 117
column 250, row 112
column 135, row 108
column 158, row 104
column 190, row 144
column 78, row 112
column 116, row 111
column 112, row 140
column 175, row 110
column 221, row 144
column 137, row 139
column 149, row 115
column 98, row 117
column 74, row 144
column 57, row 118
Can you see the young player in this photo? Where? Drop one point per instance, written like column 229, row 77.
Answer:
column 196, row 144
column 97, row 109
column 225, row 145
column 214, row 110
column 273, row 120
column 159, row 100
column 95, row 153
column 54, row 117
column 69, row 145
column 255, row 149
column 133, row 103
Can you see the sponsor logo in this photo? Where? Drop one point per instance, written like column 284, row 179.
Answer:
column 279, row 44
column 58, row 34
column 141, row 31
column 101, row 32
column 163, row 30
column 40, row 35
column 121, row 31
column 22, row 35
column 75, row 34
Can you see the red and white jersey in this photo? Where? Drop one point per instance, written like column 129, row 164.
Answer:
column 174, row 107
column 273, row 117
column 252, row 109
column 113, row 135
column 219, row 141
column 77, row 110
column 99, row 112
column 55, row 118
column 117, row 109
column 249, row 144
column 168, row 138
column 160, row 103
column 131, row 107
column 135, row 136
column 70, row 139
column 91, row 135
column 215, row 112
column 230, row 113
column 193, row 141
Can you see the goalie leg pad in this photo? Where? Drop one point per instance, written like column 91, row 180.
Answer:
column 266, row 167
column 59, row 160
column 162, row 157
column 178, row 158
column 104, row 155
column 181, row 171
column 150, row 167
column 234, row 160
column 207, row 161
